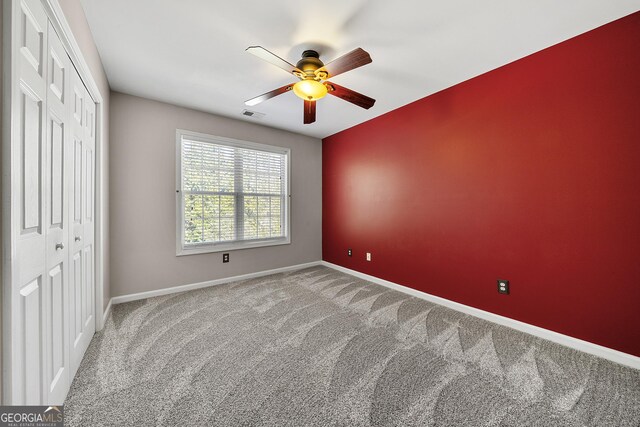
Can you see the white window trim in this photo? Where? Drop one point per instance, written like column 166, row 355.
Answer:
column 181, row 249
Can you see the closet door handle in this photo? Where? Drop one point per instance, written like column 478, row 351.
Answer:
column 78, row 238
column 59, row 246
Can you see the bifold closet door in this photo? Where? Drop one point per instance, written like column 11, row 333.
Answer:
column 29, row 220
column 52, row 318
column 56, row 290
column 82, row 316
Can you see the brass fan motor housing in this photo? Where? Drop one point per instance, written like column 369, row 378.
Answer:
column 309, row 64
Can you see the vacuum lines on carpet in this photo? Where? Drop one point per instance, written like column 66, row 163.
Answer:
column 317, row 347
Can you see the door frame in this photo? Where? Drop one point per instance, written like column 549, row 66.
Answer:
column 10, row 104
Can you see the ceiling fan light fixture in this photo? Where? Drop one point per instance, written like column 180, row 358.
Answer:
column 310, row 89
column 313, row 74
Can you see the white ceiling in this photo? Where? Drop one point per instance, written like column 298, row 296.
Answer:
column 192, row 52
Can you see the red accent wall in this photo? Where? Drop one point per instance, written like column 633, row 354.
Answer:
column 529, row 173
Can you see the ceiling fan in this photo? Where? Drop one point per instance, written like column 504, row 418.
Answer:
column 313, row 74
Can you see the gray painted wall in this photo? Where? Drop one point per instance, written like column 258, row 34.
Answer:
column 74, row 13
column 143, row 198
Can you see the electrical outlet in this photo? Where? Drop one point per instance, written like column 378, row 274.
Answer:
column 349, row 252
column 503, row 286
column 225, row 257
column 368, row 256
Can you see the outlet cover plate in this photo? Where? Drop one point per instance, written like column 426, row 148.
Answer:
column 503, row 286
column 225, row 257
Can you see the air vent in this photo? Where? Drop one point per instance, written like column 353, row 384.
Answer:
column 252, row 114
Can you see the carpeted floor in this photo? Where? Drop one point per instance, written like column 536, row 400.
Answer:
column 317, row 347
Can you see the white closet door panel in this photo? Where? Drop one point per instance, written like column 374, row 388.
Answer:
column 75, row 301
column 89, row 117
column 76, row 201
column 28, row 209
column 33, row 22
column 57, row 72
column 79, row 336
column 55, row 294
column 89, row 224
column 30, row 246
column 87, row 305
column 31, row 161
column 55, row 363
column 78, row 102
column 82, row 211
column 88, row 184
column 56, row 173
column 30, row 368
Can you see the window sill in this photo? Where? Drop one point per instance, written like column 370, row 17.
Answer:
column 233, row 246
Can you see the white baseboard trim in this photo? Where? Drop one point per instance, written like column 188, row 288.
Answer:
column 106, row 313
column 565, row 340
column 183, row 288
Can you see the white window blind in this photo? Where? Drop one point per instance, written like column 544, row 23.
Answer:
column 233, row 194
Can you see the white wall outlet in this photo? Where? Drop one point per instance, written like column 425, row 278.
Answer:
column 368, row 256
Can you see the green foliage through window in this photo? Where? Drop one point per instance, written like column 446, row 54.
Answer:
column 231, row 193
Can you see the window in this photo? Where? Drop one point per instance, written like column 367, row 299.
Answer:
column 231, row 194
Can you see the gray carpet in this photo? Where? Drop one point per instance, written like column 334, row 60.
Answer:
column 317, row 347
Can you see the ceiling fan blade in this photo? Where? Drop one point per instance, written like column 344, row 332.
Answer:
column 258, row 99
column 272, row 58
column 309, row 112
column 350, row 96
column 354, row 59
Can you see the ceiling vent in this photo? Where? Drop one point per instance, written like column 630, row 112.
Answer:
column 252, row 114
